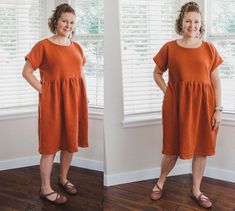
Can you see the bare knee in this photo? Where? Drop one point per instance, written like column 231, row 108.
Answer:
column 171, row 157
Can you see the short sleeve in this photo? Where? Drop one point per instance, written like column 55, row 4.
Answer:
column 161, row 59
column 216, row 58
column 35, row 56
column 81, row 52
column 84, row 59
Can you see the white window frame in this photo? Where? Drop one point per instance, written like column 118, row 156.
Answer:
column 32, row 111
column 28, row 111
column 95, row 110
column 228, row 119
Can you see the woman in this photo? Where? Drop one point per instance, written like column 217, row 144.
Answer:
column 192, row 102
column 62, row 115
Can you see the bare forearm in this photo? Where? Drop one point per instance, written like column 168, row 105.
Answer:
column 217, row 91
column 216, row 119
column 27, row 73
column 160, row 81
column 33, row 81
column 84, row 79
column 217, row 88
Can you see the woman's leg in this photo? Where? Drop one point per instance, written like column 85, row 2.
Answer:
column 65, row 161
column 46, row 164
column 198, row 168
column 168, row 163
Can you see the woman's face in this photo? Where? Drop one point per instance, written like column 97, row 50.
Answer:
column 65, row 24
column 191, row 24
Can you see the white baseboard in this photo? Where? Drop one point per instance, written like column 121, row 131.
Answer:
column 19, row 163
column 88, row 164
column 221, row 174
column 34, row 160
column 134, row 176
column 121, row 178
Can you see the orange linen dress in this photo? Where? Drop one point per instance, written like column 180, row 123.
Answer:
column 189, row 101
column 63, row 112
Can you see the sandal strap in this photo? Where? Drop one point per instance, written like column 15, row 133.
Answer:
column 159, row 187
column 48, row 194
column 67, row 185
column 200, row 197
column 58, row 196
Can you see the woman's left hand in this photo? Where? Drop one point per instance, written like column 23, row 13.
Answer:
column 216, row 119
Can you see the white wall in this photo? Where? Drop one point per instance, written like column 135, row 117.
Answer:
column 134, row 154
column 19, row 144
column 19, row 138
column 131, row 154
column 222, row 165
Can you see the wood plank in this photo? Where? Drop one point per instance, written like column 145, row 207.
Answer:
column 19, row 190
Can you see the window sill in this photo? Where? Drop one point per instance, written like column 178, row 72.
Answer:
column 18, row 113
column 29, row 112
column 96, row 113
column 228, row 119
column 142, row 120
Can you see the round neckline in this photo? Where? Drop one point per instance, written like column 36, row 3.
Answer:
column 176, row 41
column 59, row 44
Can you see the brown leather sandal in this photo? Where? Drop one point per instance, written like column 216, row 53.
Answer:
column 68, row 188
column 60, row 199
column 156, row 194
column 202, row 200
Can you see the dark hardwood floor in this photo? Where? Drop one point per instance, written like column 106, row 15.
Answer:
column 19, row 190
column 135, row 196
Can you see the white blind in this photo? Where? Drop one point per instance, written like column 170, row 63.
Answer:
column 221, row 31
column 90, row 34
column 145, row 26
column 21, row 26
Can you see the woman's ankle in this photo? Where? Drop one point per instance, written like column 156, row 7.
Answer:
column 46, row 189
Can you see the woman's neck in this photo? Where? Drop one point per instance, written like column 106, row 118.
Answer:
column 60, row 40
column 190, row 42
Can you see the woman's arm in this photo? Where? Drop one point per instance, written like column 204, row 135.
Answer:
column 83, row 78
column 157, row 75
column 216, row 119
column 27, row 73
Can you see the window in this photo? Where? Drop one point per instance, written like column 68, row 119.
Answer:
column 145, row 26
column 21, row 27
column 221, row 31
column 90, row 34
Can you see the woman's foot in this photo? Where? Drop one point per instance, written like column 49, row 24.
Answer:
column 53, row 197
column 157, row 193
column 202, row 200
column 68, row 187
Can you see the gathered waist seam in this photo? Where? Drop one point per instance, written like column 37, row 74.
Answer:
column 60, row 79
